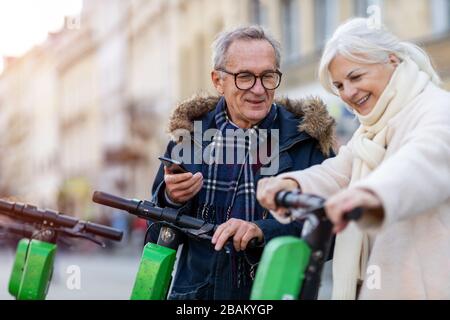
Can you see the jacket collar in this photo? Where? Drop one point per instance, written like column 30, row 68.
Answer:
column 308, row 118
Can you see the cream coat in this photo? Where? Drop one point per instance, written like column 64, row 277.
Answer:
column 410, row 256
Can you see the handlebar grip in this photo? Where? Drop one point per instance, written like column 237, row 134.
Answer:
column 60, row 219
column 253, row 243
column 110, row 200
column 103, row 231
column 295, row 199
column 6, row 206
column 286, row 199
column 355, row 214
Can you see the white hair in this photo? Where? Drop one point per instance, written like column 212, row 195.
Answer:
column 356, row 40
column 224, row 40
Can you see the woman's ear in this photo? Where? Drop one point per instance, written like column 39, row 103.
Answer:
column 217, row 81
column 394, row 60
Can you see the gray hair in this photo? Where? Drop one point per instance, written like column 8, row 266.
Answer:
column 358, row 41
column 224, row 40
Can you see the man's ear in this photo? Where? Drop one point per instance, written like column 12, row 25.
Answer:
column 217, row 81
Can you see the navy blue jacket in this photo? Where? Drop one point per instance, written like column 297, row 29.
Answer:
column 203, row 273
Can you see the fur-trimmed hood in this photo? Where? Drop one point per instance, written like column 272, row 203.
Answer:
column 312, row 113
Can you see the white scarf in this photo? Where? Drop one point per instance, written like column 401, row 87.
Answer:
column 351, row 251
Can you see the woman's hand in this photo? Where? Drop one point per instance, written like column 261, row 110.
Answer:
column 267, row 190
column 347, row 200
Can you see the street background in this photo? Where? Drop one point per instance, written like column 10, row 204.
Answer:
column 86, row 89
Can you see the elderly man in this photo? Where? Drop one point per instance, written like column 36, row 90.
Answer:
column 298, row 134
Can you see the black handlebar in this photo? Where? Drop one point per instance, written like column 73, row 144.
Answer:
column 102, row 230
column 54, row 219
column 149, row 211
column 22, row 230
column 297, row 200
column 109, row 200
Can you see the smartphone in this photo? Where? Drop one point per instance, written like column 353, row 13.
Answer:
column 174, row 166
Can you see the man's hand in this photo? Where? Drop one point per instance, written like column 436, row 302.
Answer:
column 242, row 232
column 182, row 187
column 349, row 199
column 267, row 190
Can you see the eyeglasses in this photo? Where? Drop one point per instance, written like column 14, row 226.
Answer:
column 270, row 80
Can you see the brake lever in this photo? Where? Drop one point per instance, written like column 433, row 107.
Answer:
column 311, row 221
column 203, row 233
column 77, row 232
column 65, row 242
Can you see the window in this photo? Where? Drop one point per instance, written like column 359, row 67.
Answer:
column 291, row 29
column 258, row 13
column 440, row 16
column 326, row 20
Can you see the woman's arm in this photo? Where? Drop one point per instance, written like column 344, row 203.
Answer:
column 327, row 178
column 417, row 177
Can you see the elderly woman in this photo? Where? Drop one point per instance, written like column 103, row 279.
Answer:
column 396, row 167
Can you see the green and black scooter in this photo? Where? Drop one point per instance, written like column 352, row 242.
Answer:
column 33, row 264
column 290, row 267
column 153, row 278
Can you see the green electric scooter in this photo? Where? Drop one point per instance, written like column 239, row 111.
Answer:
column 157, row 262
column 33, row 264
column 291, row 268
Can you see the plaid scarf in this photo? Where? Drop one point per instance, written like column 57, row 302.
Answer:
column 229, row 187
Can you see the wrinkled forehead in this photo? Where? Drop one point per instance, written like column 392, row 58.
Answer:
column 250, row 55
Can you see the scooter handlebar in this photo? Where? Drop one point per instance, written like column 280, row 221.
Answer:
column 297, row 200
column 54, row 219
column 113, row 201
column 149, row 211
column 103, row 231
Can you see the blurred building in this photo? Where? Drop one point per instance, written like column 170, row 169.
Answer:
column 28, row 127
column 87, row 109
column 303, row 26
